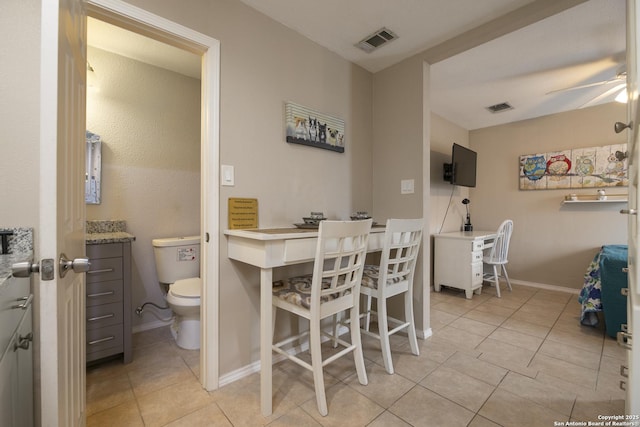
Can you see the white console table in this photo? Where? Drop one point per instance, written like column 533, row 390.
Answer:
column 269, row 248
column 458, row 259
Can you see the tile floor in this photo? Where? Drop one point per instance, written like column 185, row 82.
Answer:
column 521, row 360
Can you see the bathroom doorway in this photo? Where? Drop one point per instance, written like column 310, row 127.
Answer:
column 179, row 163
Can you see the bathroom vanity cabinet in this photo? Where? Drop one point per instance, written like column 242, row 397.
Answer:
column 16, row 329
column 16, row 352
column 109, row 301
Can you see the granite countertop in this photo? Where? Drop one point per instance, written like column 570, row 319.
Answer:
column 109, row 237
column 20, row 249
column 107, row 231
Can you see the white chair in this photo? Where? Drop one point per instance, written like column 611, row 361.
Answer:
column 333, row 287
column 497, row 258
column 396, row 270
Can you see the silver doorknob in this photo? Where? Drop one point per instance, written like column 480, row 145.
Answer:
column 78, row 265
column 629, row 211
column 46, row 268
column 24, row 269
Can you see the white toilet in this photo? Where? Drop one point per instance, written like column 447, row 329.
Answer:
column 178, row 268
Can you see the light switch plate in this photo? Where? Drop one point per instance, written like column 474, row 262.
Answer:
column 227, row 175
column 406, row 186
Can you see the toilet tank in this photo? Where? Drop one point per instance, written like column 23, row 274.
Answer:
column 177, row 258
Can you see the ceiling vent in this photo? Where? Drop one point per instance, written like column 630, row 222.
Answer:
column 498, row 108
column 376, row 40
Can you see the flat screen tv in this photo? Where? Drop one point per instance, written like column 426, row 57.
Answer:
column 462, row 169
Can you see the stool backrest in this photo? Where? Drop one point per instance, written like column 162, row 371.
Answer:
column 339, row 262
column 400, row 250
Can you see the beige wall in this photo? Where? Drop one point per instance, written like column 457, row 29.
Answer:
column 264, row 64
column 397, row 140
column 149, row 122
column 400, row 152
column 552, row 243
column 444, row 216
column 20, row 112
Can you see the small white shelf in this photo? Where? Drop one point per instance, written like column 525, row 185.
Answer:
column 588, row 198
column 595, row 201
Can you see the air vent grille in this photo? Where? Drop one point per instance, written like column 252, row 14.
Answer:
column 376, row 40
column 498, row 108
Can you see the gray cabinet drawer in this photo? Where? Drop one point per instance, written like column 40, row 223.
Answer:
column 104, row 292
column 109, row 337
column 103, row 315
column 104, row 269
column 108, row 250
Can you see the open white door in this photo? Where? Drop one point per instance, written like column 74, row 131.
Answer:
column 632, row 368
column 62, row 212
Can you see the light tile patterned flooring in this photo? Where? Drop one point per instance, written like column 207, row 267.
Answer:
column 521, row 360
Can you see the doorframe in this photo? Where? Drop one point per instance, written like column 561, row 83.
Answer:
column 142, row 22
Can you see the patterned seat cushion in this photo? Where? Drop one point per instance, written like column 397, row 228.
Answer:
column 371, row 274
column 297, row 290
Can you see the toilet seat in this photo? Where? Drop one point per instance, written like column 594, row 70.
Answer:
column 186, row 288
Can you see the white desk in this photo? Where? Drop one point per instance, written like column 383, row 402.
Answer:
column 269, row 248
column 458, row 259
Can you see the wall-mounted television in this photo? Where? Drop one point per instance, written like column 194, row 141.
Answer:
column 462, row 169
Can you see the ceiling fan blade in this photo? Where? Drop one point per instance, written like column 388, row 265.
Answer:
column 604, row 95
column 601, row 83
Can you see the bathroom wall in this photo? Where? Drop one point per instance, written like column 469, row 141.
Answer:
column 149, row 121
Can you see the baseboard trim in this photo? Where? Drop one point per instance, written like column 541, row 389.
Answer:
column 149, row 325
column 545, row 286
column 238, row 374
column 254, row 367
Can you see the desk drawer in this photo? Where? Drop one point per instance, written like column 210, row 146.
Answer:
column 297, row 250
column 476, row 256
column 476, row 273
column 477, row 245
column 104, row 292
column 104, row 269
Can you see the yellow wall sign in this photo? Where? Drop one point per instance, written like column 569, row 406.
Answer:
column 243, row 213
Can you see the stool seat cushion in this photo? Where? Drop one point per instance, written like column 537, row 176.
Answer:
column 297, row 290
column 371, row 274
